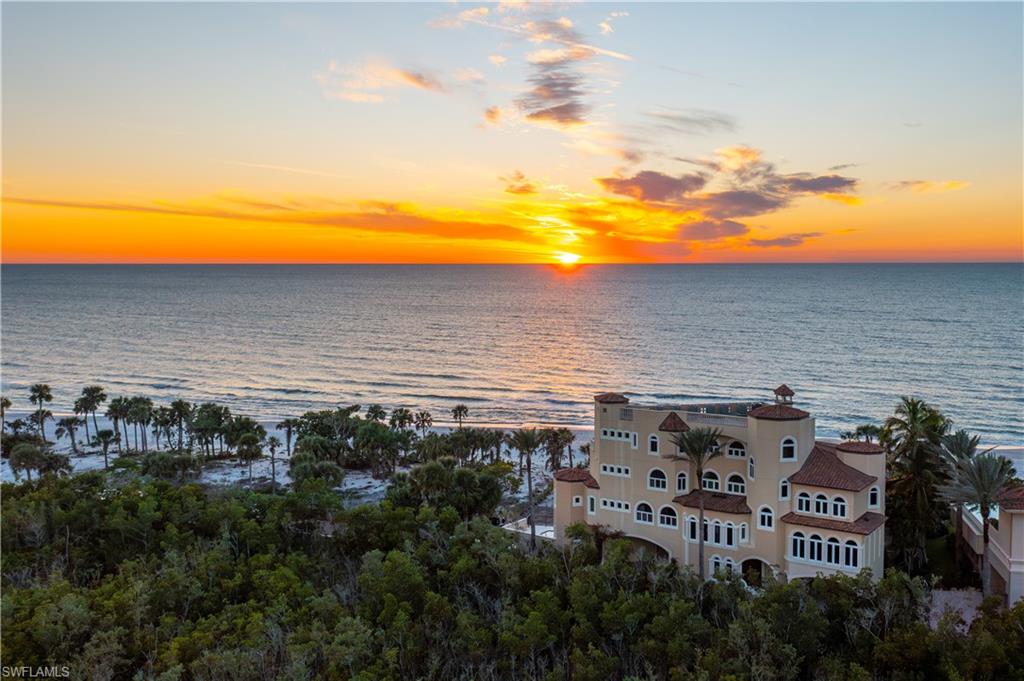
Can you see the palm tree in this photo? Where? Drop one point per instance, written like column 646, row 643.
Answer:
column 960, row 446
column 104, row 438
column 81, row 408
column 37, row 394
column 423, row 421
column 527, row 441
column 288, row 425
column 375, row 412
column 568, row 437
column 67, row 427
column 979, row 481
column 5, row 404
column 459, row 412
column 249, row 449
column 698, row 446
column 117, row 412
column 141, row 414
column 25, row 457
column 272, row 444
column 867, row 432
column 94, row 396
column 181, row 412
column 401, row 418
column 913, row 437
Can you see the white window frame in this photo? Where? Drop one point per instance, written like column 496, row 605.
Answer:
column 656, row 448
column 802, row 497
column 849, row 546
column 771, row 515
column 717, row 479
column 782, row 449
column 785, row 490
column 685, row 477
column 744, row 533
column 751, row 467
column 836, row 501
column 798, row 540
column 833, row 546
column 691, row 529
column 577, row 501
column 591, row 505
column 734, row 452
column 819, row 501
column 731, row 484
column 637, row 512
column 877, row 491
column 675, row 517
column 664, row 480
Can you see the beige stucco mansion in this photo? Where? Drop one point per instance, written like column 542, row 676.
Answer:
column 777, row 501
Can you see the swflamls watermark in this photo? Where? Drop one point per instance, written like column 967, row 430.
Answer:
column 57, row 671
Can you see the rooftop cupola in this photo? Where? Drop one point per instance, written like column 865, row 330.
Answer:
column 784, row 394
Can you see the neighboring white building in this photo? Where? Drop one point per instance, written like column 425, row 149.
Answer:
column 776, row 501
column 1005, row 544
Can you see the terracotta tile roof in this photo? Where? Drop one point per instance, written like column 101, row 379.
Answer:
column 778, row 412
column 715, row 501
column 1012, row 499
column 824, row 469
column 611, row 398
column 784, row 391
column 673, row 424
column 577, row 475
column 866, row 524
column 858, row 447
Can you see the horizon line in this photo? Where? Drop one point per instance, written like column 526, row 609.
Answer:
column 133, row 263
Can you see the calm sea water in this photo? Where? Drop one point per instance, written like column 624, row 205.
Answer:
column 526, row 344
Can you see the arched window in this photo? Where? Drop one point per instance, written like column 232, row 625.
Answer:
column 667, row 517
column 652, row 444
column 710, row 481
column 787, row 450
column 803, row 502
column 783, row 490
column 766, row 518
column 821, row 504
column 799, row 545
column 704, row 530
column 814, row 544
column 839, row 507
column 691, row 528
column 644, row 514
column 715, row 448
column 852, row 557
column 832, row 551
column 873, row 496
column 736, row 449
column 656, row 479
column 730, row 534
column 681, row 482
column 716, row 564
column 716, row 537
column 750, row 467
column 743, row 533
column 735, row 485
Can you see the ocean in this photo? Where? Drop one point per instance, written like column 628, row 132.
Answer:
column 526, row 344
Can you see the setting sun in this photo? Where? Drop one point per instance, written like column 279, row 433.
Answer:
column 568, row 258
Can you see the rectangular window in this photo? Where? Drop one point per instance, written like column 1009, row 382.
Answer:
column 577, row 501
column 591, row 506
column 626, row 414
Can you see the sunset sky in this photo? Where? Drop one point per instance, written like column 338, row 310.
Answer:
column 512, row 132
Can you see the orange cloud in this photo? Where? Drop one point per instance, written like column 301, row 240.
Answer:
column 929, row 187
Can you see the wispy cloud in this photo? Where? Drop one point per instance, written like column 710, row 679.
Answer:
column 692, row 121
column 518, row 183
column 711, row 230
column 606, row 25
column 649, row 185
column 367, row 83
column 930, row 186
column 787, row 241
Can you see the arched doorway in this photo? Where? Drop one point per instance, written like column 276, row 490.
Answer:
column 643, row 546
column 755, row 571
